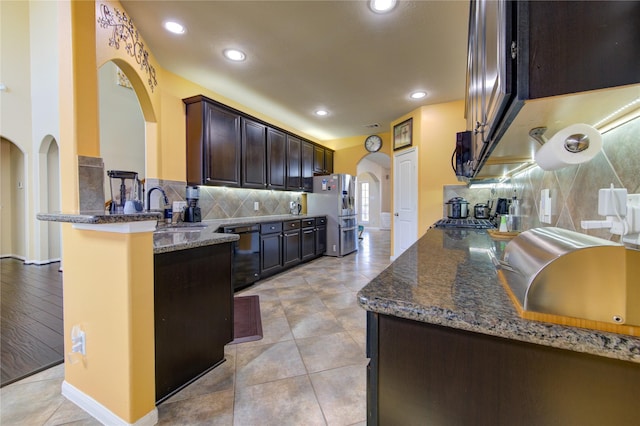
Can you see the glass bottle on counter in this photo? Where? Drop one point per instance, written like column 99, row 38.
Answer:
column 514, row 214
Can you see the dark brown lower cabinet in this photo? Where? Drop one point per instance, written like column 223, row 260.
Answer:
column 424, row 374
column 308, row 239
column 290, row 248
column 193, row 314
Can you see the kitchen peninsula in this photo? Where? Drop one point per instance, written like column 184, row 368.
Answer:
column 110, row 297
column 447, row 347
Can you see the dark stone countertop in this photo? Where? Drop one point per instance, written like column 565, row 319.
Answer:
column 98, row 217
column 167, row 238
column 189, row 235
column 447, row 278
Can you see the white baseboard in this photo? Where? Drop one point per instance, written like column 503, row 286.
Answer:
column 12, row 256
column 41, row 262
column 102, row 413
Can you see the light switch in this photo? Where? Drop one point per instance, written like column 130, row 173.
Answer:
column 545, row 206
column 256, row 205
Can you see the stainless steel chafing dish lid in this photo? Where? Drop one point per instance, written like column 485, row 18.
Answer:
column 557, row 271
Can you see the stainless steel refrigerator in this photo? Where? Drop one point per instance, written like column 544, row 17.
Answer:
column 335, row 196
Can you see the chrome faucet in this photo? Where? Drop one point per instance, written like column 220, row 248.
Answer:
column 164, row 194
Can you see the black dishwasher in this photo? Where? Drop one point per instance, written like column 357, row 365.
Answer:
column 246, row 254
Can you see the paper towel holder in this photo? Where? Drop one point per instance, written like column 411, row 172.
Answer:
column 537, row 133
column 572, row 145
column 576, row 142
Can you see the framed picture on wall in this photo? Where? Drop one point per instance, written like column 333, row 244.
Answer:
column 403, row 134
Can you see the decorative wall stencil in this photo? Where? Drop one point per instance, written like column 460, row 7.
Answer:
column 125, row 32
column 122, row 80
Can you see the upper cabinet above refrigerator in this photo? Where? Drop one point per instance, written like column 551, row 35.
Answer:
column 545, row 64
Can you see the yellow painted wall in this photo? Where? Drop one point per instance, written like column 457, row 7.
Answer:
column 112, row 301
column 438, row 127
column 349, row 152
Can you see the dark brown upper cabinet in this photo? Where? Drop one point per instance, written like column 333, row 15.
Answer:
column 294, row 163
column 213, row 144
column 276, row 159
column 226, row 147
column 322, row 160
column 520, row 51
column 254, row 154
column 328, row 161
column 318, row 159
column 307, row 166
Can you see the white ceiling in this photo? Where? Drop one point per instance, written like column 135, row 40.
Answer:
column 304, row 55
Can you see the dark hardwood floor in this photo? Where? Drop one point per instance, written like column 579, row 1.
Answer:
column 31, row 332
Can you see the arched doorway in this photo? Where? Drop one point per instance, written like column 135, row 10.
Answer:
column 12, row 201
column 374, row 190
column 48, row 194
column 122, row 125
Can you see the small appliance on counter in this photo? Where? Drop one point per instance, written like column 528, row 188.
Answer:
column 295, row 208
column 457, row 208
column 502, row 207
column 128, row 198
column 192, row 212
column 482, row 211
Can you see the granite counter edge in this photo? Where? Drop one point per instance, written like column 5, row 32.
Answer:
column 217, row 238
column 609, row 345
column 98, row 218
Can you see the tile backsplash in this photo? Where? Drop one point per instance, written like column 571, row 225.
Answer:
column 573, row 189
column 225, row 203
column 90, row 184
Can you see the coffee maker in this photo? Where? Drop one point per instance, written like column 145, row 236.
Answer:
column 192, row 211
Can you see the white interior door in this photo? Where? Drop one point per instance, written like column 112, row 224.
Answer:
column 405, row 200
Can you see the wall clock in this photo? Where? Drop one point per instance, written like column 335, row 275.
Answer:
column 373, row 143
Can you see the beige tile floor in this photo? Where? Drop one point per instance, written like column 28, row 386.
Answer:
column 309, row 368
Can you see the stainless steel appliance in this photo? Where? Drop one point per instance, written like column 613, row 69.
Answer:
column 481, row 211
column 561, row 272
column 335, row 196
column 295, row 208
column 457, row 208
column 246, row 254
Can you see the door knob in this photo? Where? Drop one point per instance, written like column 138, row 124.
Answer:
column 396, row 214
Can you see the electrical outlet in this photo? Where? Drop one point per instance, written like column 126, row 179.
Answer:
column 256, row 205
column 78, row 340
column 178, row 206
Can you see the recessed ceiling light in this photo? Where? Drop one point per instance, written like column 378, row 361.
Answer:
column 418, row 95
column 322, row 112
column 235, row 55
column 382, row 6
column 174, row 27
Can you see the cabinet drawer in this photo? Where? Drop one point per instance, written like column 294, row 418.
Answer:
column 291, row 224
column 270, row 228
column 321, row 220
column 308, row 223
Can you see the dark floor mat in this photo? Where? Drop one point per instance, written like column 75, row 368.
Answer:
column 247, row 324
